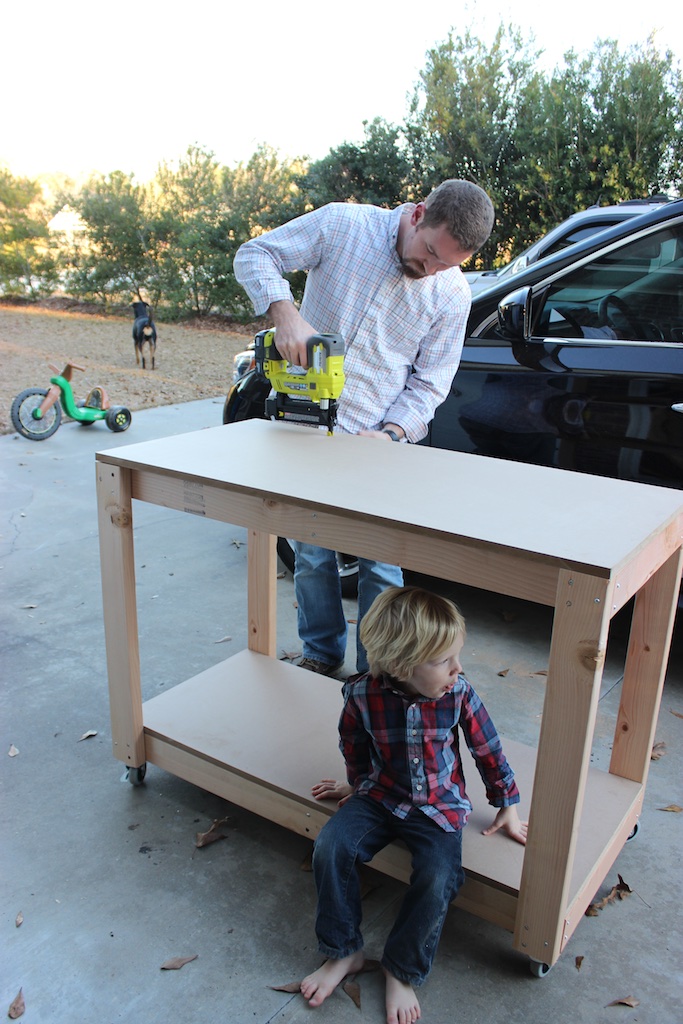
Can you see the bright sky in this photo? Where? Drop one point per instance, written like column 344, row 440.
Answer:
column 126, row 85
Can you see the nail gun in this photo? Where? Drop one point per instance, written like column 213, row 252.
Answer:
column 298, row 395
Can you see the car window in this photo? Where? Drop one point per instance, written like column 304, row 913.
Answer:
column 578, row 235
column 562, row 241
column 633, row 293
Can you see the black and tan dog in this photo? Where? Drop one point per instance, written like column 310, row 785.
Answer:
column 144, row 334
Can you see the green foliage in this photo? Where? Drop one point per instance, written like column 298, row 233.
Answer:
column 261, row 194
column 603, row 127
column 28, row 264
column 114, row 257
column 375, row 171
column 193, row 225
column 464, row 114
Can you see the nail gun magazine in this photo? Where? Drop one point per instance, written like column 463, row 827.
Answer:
column 298, row 395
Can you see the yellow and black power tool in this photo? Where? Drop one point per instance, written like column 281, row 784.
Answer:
column 303, row 396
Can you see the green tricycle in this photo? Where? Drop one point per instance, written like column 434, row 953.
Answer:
column 37, row 412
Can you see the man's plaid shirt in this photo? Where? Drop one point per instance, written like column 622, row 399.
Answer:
column 403, row 750
column 403, row 337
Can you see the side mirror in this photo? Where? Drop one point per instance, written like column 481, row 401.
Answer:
column 514, row 314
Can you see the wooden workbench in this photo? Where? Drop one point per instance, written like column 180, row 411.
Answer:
column 582, row 544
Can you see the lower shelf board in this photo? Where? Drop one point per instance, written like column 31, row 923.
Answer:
column 261, row 732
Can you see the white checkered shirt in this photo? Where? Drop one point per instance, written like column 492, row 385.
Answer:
column 403, row 337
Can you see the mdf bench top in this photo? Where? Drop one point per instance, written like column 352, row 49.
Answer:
column 574, row 518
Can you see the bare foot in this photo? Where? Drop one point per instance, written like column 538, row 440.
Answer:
column 319, row 985
column 401, row 1001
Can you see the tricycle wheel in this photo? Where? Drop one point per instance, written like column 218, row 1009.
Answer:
column 24, row 421
column 118, row 418
column 136, row 776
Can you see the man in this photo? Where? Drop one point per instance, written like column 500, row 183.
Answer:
column 389, row 282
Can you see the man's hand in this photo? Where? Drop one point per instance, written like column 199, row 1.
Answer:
column 508, row 819
column 382, row 433
column 291, row 332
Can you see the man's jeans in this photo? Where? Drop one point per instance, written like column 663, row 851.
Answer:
column 321, row 615
column 321, row 622
column 356, row 832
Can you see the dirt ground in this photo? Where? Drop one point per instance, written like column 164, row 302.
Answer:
column 191, row 362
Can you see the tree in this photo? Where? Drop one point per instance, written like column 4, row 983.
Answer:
column 376, row 171
column 115, row 255
column 604, row 127
column 27, row 258
column 193, row 227
column 263, row 193
column 463, row 118
column 259, row 195
column 637, row 97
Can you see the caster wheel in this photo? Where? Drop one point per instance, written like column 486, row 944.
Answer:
column 538, row 968
column 634, row 834
column 136, row 776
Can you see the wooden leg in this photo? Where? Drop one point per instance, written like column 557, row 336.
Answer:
column 120, row 613
column 262, row 592
column 648, row 651
column 576, row 662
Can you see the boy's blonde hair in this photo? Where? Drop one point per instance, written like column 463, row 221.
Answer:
column 406, row 627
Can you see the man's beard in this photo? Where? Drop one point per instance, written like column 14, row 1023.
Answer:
column 410, row 269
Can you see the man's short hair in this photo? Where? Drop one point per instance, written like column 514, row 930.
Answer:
column 406, row 627
column 464, row 208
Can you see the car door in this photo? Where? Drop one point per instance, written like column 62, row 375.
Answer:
column 584, row 370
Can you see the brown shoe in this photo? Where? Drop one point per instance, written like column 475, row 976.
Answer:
column 321, row 667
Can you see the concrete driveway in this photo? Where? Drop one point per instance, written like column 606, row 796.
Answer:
column 102, row 882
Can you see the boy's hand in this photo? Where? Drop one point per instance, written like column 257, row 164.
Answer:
column 331, row 789
column 508, row 819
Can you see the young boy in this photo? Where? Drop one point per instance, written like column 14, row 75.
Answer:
column 399, row 737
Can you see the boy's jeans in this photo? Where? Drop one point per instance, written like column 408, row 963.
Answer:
column 356, row 832
column 321, row 622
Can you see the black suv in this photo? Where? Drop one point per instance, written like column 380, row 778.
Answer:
column 579, row 367
column 574, row 229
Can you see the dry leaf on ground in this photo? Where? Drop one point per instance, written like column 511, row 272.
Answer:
column 658, row 751
column 352, row 989
column 213, row 834
column 176, row 962
column 578, row 961
column 617, row 892
column 626, row 1001
column 17, row 1007
column 674, row 808
column 88, row 735
column 503, row 671
column 348, row 983
column 19, row 920
column 12, row 752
